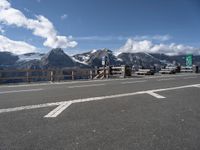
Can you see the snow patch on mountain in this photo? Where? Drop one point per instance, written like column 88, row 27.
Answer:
column 78, row 61
column 30, row 56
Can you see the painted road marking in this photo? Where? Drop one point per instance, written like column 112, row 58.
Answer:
column 20, row 91
column 107, row 80
column 155, row 95
column 65, row 104
column 89, row 85
column 7, row 110
column 132, row 82
column 54, row 113
column 198, row 86
column 190, row 78
column 166, row 79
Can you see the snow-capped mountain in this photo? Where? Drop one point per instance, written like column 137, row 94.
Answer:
column 57, row 58
column 139, row 59
column 94, row 57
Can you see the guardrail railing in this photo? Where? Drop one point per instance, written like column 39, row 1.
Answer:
column 15, row 76
column 34, row 75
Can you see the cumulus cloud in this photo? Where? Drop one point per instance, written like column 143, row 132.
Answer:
column 17, row 47
column 40, row 26
column 134, row 46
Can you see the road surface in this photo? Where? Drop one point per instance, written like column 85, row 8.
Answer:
column 149, row 113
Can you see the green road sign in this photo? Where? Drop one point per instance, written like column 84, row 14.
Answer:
column 189, row 60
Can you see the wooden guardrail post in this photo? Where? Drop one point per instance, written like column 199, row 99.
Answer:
column 123, row 69
column 27, row 76
column 52, row 75
column 104, row 71
column 96, row 71
column 0, row 77
column 73, row 75
column 91, row 74
column 107, row 72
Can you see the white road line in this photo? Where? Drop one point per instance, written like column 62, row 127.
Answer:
column 20, row 91
column 156, row 95
column 90, row 99
column 198, row 86
column 166, row 79
column 89, row 85
column 86, row 81
column 189, row 78
column 54, row 113
column 7, row 110
column 132, row 82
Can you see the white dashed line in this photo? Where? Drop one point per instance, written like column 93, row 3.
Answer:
column 89, row 85
column 189, row 78
column 166, row 79
column 132, row 82
column 20, row 91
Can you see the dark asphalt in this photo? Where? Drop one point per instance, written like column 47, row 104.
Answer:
column 140, row 122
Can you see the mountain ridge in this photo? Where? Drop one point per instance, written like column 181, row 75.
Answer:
column 57, row 59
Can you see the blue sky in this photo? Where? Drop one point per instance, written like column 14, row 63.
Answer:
column 109, row 24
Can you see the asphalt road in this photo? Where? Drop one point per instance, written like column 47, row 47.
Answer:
column 149, row 113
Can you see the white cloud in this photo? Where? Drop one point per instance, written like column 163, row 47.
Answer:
column 122, row 38
column 155, row 37
column 64, row 16
column 2, row 31
column 17, row 47
column 101, row 38
column 134, row 46
column 40, row 26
